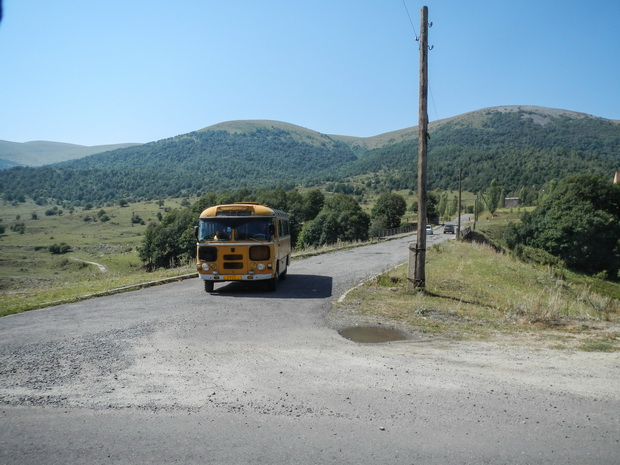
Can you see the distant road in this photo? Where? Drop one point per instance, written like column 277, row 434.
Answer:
column 170, row 374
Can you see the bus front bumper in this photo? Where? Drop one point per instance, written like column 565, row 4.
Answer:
column 234, row 277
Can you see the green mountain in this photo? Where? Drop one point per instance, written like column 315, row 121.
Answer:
column 519, row 146
column 38, row 153
column 226, row 156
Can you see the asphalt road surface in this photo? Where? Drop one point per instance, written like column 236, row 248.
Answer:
column 171, row 374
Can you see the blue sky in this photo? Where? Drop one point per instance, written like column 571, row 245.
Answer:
column 117, row 71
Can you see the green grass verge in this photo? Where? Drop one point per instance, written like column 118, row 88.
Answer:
column 473, row 292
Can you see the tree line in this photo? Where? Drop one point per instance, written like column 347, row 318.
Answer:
column 315, row 220
column 577, row 222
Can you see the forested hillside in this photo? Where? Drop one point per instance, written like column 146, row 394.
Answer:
column 517, row 146
column 190, row 164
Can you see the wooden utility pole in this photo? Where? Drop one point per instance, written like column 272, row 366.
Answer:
column 458, row 210
column 419, row 253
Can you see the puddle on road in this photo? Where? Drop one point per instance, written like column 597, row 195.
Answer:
column 372, row 334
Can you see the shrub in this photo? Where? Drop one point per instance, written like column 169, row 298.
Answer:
column 58, row 249
column 19, row 227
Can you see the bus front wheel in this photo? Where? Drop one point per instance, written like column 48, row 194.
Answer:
column 272, row 284
column 208, row 286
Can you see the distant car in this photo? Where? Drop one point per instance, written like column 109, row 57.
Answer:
column 449, row 229
column 429, row 229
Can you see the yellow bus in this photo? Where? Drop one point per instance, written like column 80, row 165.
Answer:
column 244, row 241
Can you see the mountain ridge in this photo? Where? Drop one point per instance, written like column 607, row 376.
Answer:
column 40, row 152
column 70, row 151
column 516, row 145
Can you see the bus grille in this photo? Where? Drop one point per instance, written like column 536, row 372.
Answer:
column 233, row 266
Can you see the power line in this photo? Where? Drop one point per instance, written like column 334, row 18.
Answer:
column 433, row 100
column 410, row 20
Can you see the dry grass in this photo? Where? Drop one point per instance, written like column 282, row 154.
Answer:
column 31, row 277
column 474, row 292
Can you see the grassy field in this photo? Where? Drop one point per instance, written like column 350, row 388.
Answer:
column 103, row 252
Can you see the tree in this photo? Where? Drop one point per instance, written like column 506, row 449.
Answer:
column 390, row 208
column 204, row 202
column 493, row 197
column 341, row 219
column 170, row 242
column 312, row 204
column 273, row 198
column 453, row 206
column 432, row 207
column 578, row 222
column 442, row 205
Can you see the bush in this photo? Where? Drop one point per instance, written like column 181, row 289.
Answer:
column 19, row 228
column 58, row 249
column 537, row 256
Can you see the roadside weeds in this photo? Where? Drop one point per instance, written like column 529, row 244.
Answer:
column 474, row 293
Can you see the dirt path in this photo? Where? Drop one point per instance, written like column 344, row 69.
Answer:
column 102, row 268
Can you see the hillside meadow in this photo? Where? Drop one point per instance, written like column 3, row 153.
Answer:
column 103, row 252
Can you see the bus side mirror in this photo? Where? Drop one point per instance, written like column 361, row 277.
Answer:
column 196, row 232
column 272, row 230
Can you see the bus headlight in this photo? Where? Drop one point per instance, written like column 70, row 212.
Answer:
column 261, row 266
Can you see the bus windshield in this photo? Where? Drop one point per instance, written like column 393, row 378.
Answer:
column 240, row 229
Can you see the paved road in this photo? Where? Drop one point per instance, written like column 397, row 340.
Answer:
column 172, row 375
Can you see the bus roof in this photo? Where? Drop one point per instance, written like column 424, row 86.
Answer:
column 242, row 209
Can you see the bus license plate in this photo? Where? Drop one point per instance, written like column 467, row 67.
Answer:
column 232, row 278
